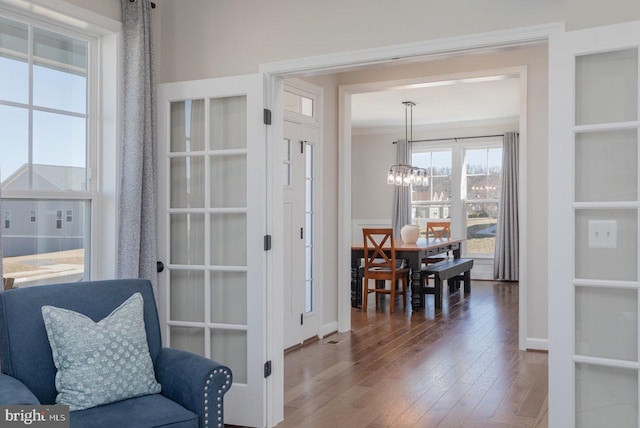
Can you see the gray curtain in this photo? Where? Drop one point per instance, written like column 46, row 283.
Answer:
column 401, row 210
column 505, row 262
column 137, row 224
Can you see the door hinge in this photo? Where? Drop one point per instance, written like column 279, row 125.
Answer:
column 267, row 242
column 267, row 117
column 301, row 319
column 267, row 369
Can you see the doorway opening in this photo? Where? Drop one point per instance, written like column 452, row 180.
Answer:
column 321, row 68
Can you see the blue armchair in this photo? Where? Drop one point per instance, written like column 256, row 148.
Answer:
column 193, row 387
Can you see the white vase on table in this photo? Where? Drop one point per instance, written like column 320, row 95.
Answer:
column 410, row 233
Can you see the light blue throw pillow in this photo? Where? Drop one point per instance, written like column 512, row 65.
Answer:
column 103, row 362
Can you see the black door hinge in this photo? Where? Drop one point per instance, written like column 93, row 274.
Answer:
column 267, row 242
column 267, row 369
column 267, row 117
column 301, row 319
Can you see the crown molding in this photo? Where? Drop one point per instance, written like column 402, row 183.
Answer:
column 349, row 60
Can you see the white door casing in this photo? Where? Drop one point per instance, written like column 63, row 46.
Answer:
column 211, row 227
column 593, row 227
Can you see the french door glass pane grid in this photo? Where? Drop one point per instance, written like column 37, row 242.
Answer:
column 606, row 164
column 208, row 230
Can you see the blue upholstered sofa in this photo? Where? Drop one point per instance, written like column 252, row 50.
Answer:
column 193, row 387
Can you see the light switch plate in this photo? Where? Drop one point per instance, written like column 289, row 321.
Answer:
column 602, row 234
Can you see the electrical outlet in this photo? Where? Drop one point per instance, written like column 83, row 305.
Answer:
column 602, row 234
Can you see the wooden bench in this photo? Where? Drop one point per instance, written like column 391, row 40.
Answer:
column 452, row 270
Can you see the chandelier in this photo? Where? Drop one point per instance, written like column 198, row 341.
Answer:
column 403, row 174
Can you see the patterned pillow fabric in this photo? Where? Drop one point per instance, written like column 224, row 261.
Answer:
column 101, row 362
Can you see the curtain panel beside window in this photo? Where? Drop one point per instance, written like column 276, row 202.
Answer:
column 401, row 209
column 505, row 262
column 137, row 228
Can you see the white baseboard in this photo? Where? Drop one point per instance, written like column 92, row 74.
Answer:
column 327, row 329
column 482, row 269
column 537, row 344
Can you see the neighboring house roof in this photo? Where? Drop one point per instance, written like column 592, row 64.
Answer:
column 48, row 177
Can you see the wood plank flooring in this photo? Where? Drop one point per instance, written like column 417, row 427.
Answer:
column 455, row 367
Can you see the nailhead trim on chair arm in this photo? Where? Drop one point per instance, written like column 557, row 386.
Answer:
column 219, row 400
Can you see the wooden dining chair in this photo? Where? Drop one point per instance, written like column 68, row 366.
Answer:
column 380, row 265
column 439, row 229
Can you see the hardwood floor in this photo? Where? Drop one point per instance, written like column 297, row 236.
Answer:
column 455, row 367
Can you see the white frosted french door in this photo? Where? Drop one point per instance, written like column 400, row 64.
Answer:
column 211, row 217
column 593, row 227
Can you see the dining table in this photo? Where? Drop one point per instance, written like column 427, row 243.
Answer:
column 412, row 254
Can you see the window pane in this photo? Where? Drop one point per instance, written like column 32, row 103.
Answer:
column 59, row 152
column 481, row 228
column 298, row 104
column 484, row 169
column 69, row 92
column 62, row 60
column 14, row 67
column 438, row 166
column 187, row 126
column 607, row 87
column 228, row 117
column 14, row 147
column 36, row 251
column 606, row 396
column 432, row 201
column 476, row 161
column 606, row 166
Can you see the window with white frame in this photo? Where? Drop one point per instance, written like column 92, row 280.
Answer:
column 46, row 147
column 434, row 200
column 482, row 175
column 475, row 204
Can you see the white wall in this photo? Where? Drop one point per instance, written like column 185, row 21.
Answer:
column 205, row 38
column 109, row 8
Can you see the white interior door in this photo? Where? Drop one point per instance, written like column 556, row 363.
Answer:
column 211, row 217
column 301, row 319
column 593, row 227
